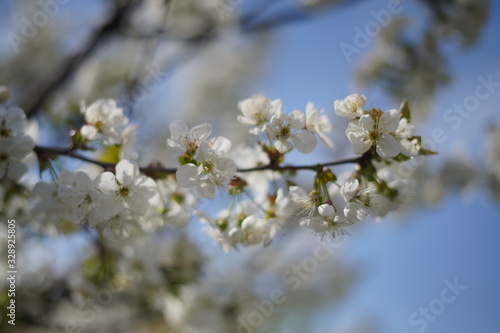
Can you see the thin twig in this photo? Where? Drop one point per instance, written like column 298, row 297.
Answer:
column 74, row 62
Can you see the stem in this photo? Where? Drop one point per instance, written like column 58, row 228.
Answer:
column 46, row 152
column 303, row 167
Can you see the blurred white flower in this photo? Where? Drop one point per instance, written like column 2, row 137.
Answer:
column 357, row 198
column 178, row 202
column 13, row 122
column 257, row 112
column 12, row 153
column 129, row 139
column 15, row 145
column 104, row 118
column 350, row 107
column 253, row 230
column 319, row 125
column 404, row 134
column 81, row 196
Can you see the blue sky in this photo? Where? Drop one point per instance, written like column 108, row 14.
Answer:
column 405, row 260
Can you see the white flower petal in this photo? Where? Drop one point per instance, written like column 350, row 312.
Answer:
column 109, row 206
column 206, row 189
column 349, row 189
column 282, row 145
column 89, row 132
column 138, row 204
column 387, row 146
column 16, row 170
column 221, row 145
column 15, row 119
column 83, row 181
column 327, row 211
column 145, row 187
column 106, row 182
column 366, row 122
column 389, row 121
column 178, row 129
column 297, row 120
column 304, row 141
column 201, row 132
column 361, row 147
column 187, row 175
column 127, row 171
column 355, row 213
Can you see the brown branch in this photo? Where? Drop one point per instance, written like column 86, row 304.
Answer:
column 74, row 62
column 47, row 152
column 302, row 167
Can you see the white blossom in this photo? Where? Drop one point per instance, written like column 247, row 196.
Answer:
column 187, row 140
column 213, row 169
column 350, row 107
column 253, row 231
column 396, row 197
column 355, row 212
column 257, row 112
column 13, row 122
column 357, row 199
column 380, row 132
column 126, row 189
column 81, row 196
column 286, row 129
column 319, row 125
column 178, row 202
column 218, row 230
column 404, row 134
column 129, row 139
column 104, row 118
column 12, row 153
column 327, row 222
column 307, row 202
column 279, row 215
column 15, row 145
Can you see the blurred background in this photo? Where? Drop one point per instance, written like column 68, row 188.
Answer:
column 433, row 267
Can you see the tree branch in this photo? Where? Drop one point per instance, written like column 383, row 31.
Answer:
column 74, row 62
column 46, row 152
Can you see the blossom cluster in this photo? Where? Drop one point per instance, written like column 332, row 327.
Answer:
column 390, row 132
column 264, row 196
column 204, row 163
column 285, row 131
column 15, row 144
column 106, row 121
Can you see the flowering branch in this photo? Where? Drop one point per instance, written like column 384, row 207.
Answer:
column 122, row 196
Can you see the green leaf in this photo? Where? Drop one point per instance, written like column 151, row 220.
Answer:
column 401, row 158
column 424, row 151
column 404, row 109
